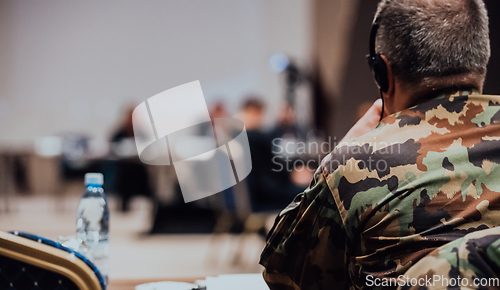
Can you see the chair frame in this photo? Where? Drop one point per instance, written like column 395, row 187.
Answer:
column 49, row 258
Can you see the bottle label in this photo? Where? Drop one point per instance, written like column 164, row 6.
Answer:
column 91, row 210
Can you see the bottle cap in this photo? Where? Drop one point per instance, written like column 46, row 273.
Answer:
column 94, row 178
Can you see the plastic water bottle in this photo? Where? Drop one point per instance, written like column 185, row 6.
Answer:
column 93, row 224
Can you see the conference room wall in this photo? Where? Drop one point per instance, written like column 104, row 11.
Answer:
column 72, row 66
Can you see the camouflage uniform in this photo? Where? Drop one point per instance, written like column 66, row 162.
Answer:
column 378, row 204
column 471, row 262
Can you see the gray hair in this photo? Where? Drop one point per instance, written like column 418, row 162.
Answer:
column 429, row 39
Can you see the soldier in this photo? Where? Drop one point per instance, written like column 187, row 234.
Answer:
column 426, row 175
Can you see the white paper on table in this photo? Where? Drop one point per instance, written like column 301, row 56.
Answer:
column 221, row 282
column 236, row 281
column 167, row 285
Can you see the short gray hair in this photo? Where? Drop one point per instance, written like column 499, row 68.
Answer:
column 428, row 39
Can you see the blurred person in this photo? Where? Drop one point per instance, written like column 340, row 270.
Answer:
column 287, row 134
column 270, row 187
column 252, row 113
column 200, row 216
column 130, row 176
column 424, row 176
column 126, row 128
column 218, row 110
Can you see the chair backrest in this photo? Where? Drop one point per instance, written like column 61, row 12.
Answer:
column 28, row 264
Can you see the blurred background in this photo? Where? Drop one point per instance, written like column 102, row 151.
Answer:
column 71, row 72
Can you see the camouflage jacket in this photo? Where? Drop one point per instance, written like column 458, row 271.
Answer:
column 379, row 203
column 471, row 262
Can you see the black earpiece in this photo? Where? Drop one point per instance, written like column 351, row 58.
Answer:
column 377, row 64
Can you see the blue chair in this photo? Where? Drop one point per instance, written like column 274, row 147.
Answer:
column 35, row 263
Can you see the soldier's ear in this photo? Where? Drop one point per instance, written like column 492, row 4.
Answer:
column 390, row 80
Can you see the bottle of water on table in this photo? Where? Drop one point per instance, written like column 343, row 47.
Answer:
column 93, row 224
